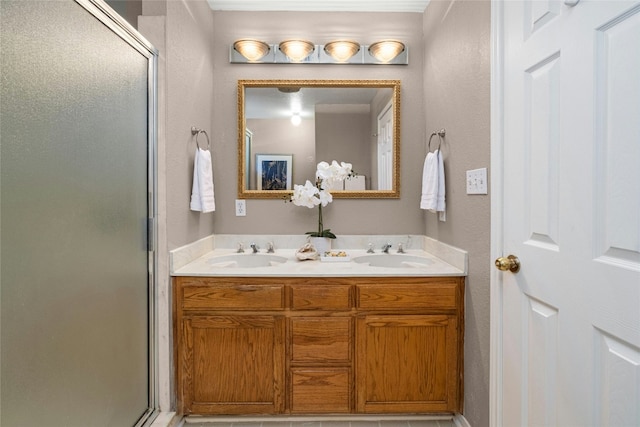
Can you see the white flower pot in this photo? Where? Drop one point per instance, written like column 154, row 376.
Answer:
column 322, row 244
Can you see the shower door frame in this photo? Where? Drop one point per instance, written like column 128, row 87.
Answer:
column 105, row 14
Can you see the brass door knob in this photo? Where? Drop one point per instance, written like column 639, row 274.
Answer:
column 510, row 263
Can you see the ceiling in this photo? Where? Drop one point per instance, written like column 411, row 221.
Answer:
column 321, row 5
column 271, row 103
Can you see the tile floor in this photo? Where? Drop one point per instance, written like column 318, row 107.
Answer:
column 194, row 422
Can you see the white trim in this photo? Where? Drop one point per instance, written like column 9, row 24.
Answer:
column 497, row 201
column 460, row 421
column 417, row 6
column 166, row 419
column 154, row 28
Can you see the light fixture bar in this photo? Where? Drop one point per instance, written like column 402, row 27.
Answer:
column 319, row 56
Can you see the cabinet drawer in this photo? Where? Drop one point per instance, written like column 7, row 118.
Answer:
column 320, row 339
column 407, row 296
column 321, row 390
column 234, row 296
column 320, row 297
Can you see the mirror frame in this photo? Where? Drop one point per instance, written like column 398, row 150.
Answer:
column 245, row 193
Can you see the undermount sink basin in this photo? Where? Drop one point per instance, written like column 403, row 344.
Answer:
column 246, row 261
column 393, row 261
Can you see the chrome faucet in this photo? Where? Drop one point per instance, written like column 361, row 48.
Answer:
column 386, row 248
column 240, row 248
column 255, row 248
column 270, row 249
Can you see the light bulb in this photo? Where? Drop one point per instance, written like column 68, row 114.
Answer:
column 342, row 50
column 251, row 49
column 296, row 50
column 386, row 50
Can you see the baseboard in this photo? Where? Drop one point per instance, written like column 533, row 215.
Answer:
column 166, row 419
column 460, row 421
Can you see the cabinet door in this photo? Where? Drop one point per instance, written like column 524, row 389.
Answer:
column 407, row 363
column 233, row 364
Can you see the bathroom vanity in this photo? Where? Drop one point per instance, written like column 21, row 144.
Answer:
column 326, row 342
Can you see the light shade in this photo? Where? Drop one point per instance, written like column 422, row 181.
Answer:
column 342, row 50
column 386, row 50
column 297, row 50
column 251, row 49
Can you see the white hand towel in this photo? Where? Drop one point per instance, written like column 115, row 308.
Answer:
column 433, row 189
column 202, row 192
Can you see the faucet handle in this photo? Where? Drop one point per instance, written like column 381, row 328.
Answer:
column 270, row 248
column 370, row 250
column 400, row 248
column 240, row 248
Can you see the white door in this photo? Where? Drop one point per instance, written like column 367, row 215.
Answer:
column 566, row 190
column 385, row 148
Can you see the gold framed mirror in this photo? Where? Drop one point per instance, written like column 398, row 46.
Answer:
column 287, row 127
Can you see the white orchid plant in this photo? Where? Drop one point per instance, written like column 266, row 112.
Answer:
column 318, row 194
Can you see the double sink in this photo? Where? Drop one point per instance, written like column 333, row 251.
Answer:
column 250, row 260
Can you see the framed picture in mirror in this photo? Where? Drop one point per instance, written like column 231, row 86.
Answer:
column 274, row 172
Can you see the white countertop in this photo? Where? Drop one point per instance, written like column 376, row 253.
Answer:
column 292, row 267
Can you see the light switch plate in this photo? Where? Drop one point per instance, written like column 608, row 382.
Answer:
column 241, row 207
column 477, row 181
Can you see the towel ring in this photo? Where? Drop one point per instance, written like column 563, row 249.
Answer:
column 195, row 131
column 441, row 133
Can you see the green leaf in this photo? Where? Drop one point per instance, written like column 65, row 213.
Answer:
column 328, row 233
column 325, row 233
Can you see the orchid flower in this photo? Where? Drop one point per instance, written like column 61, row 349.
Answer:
column 311, row 195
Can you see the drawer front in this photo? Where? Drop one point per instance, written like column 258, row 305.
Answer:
column 321, row 339
column 234, row 297
column 320, row 297
column 407, row 296
column 321, row 390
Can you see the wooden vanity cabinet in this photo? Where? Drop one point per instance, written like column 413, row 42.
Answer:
column 409, row 345
column 318, row 345
column 229, row 339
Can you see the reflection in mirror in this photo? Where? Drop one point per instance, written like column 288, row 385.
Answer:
column 286, row 127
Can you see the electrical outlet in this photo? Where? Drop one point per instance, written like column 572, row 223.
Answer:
column 477, row 181
column 241, row 207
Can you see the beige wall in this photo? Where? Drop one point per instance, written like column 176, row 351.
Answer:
column 342, row 216
column 345, row 137
column 457, row 98
column 187, row 88
column 298, row 141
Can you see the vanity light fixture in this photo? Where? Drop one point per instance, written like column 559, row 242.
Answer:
column 297, row 50
column 342, row 50
column 386, row 50
column 296, row 119
column 339, row 51
column 252, row 49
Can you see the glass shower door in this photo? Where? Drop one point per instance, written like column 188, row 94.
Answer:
column 75, row 188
